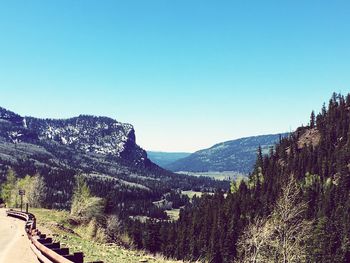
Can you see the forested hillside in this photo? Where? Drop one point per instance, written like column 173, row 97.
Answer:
column 236, row 155
column 295, row 207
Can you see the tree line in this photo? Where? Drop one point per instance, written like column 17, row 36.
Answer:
column 294, row 207
column 34, row 187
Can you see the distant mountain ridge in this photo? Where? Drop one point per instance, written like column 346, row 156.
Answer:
column 235, row 155
column 164, row 158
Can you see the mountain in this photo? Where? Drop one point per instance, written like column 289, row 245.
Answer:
column 294, row 207
column 100, row 148
column 165, row 158
column 78, row 142
column 236, row 155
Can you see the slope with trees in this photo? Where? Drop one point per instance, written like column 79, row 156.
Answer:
column 294, row 207
column 237, row 155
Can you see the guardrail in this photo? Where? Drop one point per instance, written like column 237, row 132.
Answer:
column 44, row 248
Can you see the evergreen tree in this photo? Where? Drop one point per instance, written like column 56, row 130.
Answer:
column 312, row 120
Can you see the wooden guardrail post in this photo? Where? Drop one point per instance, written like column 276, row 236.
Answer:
column 76, row 257
column 61, row 251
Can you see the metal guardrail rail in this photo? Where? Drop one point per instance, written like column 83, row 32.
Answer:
column 43, row 247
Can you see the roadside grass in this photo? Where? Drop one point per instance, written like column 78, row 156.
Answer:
column 57, row 222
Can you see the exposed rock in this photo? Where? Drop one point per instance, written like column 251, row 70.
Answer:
column 311, row 137
column 86, row 134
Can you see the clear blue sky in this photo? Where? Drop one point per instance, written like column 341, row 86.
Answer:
column 187, row 74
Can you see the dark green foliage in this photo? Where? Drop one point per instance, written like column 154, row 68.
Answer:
column 319, row 158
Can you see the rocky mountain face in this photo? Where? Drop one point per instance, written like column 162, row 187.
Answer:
column 83, row 135
column 87, row 134
column 236, row 155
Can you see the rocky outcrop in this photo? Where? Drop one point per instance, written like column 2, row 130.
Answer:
column 86, row 134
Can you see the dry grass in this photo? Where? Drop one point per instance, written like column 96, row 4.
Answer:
column 75, row 238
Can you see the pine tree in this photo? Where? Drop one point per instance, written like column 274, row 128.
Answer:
column 312, row 120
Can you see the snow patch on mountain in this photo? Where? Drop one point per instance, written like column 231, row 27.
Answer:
column 85, row 133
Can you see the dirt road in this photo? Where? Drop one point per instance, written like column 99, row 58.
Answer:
column 14, row 244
